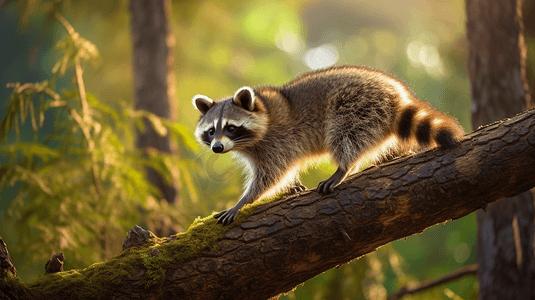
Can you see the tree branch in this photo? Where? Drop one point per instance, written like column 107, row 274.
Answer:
column 467, row 270
column 284, row 243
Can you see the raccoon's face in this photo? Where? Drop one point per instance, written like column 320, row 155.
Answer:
column 230, row 123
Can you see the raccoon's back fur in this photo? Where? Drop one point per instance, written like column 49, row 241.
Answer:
column 349, row 112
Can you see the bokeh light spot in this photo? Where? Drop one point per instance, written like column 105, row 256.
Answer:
column 321, row 57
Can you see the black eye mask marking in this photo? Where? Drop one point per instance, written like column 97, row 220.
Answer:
column 208, row 136
column 236, row 132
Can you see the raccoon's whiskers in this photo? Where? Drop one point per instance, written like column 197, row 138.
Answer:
column 243, row 139
column 204, row 151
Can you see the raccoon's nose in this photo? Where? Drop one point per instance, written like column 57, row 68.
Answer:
column 218, row 147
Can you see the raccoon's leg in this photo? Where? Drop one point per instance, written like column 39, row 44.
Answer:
column 263, row 180
column 327, row 186
column 357, row 121
column 297, row 187
column 228, row 216
column 347, row 161
column 345, row 147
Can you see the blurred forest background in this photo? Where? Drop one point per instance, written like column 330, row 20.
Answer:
column 50, row 200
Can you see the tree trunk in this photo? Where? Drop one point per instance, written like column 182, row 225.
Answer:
column 153, row 77
column 286, row 242
column 499, row 89
column 10, row 288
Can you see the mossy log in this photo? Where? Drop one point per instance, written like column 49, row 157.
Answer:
column 276, row 246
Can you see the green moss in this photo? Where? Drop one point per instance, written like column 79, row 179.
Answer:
column 247, row 210
column 13, row 284
column 93, row 282
column 99, row 280
column 202, row 234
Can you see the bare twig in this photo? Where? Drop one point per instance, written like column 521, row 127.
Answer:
column 467, row 270
column 65, row 23
column 81, row 89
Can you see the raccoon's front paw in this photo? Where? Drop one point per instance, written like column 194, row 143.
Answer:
column 227, row 216
column 296, row 189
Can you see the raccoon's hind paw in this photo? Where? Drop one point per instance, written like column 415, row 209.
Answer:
column 227, row 216
column 327, row 186
column 296, row 189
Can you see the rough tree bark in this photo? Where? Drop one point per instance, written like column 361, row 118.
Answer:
column 14, row 290
column 153, row 77
column 497, row 68
column 286, row 242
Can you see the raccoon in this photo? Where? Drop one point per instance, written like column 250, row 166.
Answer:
column 349, row 112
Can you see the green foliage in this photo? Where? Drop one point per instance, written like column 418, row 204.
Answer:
column 21, row 103
column 74, row 49
column 82, row 189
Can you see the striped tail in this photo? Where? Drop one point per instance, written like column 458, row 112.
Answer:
column 428, row 127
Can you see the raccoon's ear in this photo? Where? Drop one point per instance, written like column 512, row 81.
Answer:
column 245, row 98
column 202, row 103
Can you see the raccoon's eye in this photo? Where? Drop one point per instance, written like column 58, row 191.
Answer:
column 211, row 131
column 231, row 128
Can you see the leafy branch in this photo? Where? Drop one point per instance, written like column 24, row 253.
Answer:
column 83, row 49
column 92, row 171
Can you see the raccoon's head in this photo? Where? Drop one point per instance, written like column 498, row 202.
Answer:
column 230, row 123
